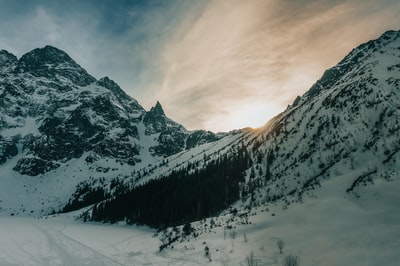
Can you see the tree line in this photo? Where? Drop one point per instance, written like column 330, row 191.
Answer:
column 185, row 195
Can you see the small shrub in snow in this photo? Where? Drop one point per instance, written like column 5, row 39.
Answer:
column 187, row 229
column 250, row 260
column 233, row 234
column 280, row 245
column 207, row 253
column 291, row 260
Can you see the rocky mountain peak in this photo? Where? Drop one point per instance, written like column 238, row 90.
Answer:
column 51, row 62
column 131, row 104
column 56, row 111
column 5, row 57
column 6, row 60
column 355, row 59
column 155, row 119
column 390, row 35
column 45, row 55
column 108, row 83
column 157, row 109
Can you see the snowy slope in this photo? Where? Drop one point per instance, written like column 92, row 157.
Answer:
column 328, row 228
column 346, row 125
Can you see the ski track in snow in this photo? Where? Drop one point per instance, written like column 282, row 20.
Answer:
column 68, row 249
column 38, row 243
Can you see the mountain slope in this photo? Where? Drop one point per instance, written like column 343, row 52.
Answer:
column 348, row 121
column 346, row 126
column 54, row 117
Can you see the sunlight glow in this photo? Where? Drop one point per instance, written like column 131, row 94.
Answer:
column 252, row 115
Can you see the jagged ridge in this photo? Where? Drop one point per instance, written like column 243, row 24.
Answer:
column 346, row 126
column 60, row 123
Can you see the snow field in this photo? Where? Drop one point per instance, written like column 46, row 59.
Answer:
column 331, row 227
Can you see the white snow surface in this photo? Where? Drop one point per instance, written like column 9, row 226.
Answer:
column 329, row 228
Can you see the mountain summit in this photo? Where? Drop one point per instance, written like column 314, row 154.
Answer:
column 353, row 60
column 6, row 60
column 53, row 111
column 54, row 64
column 157, row 110
column 41, row 57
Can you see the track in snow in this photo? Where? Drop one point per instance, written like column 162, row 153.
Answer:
column 26, row 241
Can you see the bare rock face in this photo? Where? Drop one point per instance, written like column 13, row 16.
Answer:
column 34, row 166
column 8, row 149
column 57, row 111
column 54, row 64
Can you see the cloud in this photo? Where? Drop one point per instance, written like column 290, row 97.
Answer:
column 238, row 52
column 121, row 39
column 213, row 64
column 39, row 26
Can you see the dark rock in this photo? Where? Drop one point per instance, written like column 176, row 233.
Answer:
column 34, row 166
column 6, row 60
column 48, row 85
column 51, row 62
column 199, row 137
column 8, row 149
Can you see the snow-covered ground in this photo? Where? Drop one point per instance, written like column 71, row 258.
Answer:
column 330, row 227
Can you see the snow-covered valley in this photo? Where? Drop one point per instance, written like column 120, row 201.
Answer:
column 330, row 227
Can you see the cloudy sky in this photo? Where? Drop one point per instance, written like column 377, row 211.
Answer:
column 215, row 65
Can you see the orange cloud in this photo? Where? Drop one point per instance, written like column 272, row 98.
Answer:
column 238, row 52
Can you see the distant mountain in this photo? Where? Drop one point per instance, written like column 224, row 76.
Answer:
column 69, row 112
column 346, row 126
column 53, row 113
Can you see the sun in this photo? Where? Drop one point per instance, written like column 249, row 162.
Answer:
column 239, row 116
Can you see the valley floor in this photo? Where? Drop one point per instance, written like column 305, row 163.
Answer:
column 326, row 229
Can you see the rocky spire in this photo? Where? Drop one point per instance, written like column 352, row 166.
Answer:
column 157, row 110
column 155, row 119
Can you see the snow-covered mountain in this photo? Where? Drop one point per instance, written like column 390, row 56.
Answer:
column 55, row 117
column 92, row 144
column 323, row 176
column 345, row 127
